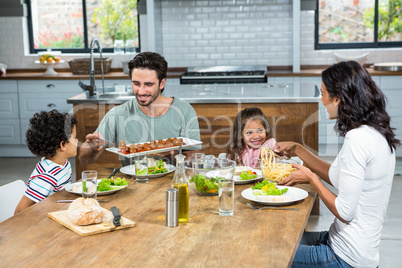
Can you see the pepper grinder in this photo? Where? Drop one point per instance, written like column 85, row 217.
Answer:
column 172, row 207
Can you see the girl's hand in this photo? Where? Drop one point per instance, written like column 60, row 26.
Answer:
column 286, row 147
column 301, row 175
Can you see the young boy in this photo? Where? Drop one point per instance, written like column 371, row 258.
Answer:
column 52, row 135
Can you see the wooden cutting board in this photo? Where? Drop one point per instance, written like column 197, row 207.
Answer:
column 106, row 226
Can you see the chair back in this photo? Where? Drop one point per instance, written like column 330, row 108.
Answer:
column 10, row 196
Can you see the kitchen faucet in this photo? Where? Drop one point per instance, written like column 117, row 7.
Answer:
column 92, row 87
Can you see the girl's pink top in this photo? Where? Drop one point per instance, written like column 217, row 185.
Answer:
column 251, row 157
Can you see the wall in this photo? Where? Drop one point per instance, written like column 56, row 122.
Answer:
column 202, row 33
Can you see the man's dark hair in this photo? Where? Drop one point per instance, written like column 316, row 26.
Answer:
column 47, row 130
column 149, row 60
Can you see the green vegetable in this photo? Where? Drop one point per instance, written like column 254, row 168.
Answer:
column 271, row 191
column 245, row 176
column 259, row 185
column 268, row 188
column 159, row 168
column 142, row 172
column 111, row 184
column 203, row 185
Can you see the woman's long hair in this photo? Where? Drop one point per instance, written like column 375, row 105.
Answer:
column 361, row 100
column 236, row 147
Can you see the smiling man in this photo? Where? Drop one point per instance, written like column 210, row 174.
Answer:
column 150, row 116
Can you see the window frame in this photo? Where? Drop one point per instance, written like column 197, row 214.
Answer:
column 85, row 49
column 374, row 44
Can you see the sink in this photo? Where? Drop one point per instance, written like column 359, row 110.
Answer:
column 116, row 95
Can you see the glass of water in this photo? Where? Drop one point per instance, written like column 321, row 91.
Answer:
column 198, row 160
column 118, row 46
column 89, row 184
column 226, row 197
column 141, row 168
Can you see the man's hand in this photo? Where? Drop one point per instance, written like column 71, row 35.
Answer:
column 91, row 149
column 94, row 142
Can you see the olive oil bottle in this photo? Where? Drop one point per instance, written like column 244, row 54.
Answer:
column 180, row 183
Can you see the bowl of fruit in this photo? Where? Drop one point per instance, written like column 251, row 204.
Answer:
column 49, row 59
column 204, row 177
column 49, row 56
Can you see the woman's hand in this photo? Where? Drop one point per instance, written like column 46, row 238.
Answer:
column 301, row 175
column 286, row 147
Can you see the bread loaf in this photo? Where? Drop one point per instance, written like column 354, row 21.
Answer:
column 85, row 211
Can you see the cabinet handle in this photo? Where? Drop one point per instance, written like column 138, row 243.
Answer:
column 51, row 105
column 50, row 86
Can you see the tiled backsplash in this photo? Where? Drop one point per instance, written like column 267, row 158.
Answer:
column 203, row 33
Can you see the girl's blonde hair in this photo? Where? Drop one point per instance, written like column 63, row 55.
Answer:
column 236, row 147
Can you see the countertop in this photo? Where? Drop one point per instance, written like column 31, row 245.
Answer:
column 221, row 93
column 117, row 73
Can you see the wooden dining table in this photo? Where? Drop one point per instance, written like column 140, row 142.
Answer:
column 249, row 238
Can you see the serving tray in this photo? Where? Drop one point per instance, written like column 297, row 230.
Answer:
column 188, row 143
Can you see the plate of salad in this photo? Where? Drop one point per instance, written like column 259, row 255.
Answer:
column 156, row 169
column 105, row 186
column 248, row 176
column 205, row 185
column 269, row 193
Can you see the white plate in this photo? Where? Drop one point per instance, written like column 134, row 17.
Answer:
column 69, row 188
column 188, row 143
column 237, row 179
column 292, row 195
column 130, row 170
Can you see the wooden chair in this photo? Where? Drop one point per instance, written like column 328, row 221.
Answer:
column 10, row 196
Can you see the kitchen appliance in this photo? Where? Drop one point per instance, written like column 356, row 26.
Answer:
column 388, row 66
column 225, row 75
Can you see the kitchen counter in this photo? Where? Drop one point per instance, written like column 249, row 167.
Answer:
column 37, row 74
column 219, row 93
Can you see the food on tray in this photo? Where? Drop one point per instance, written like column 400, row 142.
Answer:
column 111, row 184
column 248, row 175
column 85, row 211
column 204, row 185
column 240, row 169
column 147, row 146
column 267, row 188
column 270, row 169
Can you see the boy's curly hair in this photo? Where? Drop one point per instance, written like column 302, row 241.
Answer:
column 47, row 130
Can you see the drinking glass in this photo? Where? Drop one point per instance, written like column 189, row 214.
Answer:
column 141, row 168
column 226, row 197
column 130, row 46
column 198, row 160
column 209, row 161
column 89, row 184
column 118, row 46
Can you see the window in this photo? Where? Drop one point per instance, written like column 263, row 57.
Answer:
column 358, row 24
column 69, row 26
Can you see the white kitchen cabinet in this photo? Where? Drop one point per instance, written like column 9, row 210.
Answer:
column 392, row 88
column 9, row 113
column 10, row 131
column 44, row 95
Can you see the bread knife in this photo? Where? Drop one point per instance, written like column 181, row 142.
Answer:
column 116, row 216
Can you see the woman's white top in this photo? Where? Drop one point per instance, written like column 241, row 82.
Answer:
column 362, row 172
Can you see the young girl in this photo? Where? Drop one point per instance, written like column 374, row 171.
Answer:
column 251, row 131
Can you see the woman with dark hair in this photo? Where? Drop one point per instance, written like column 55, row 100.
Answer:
column 362, row 172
